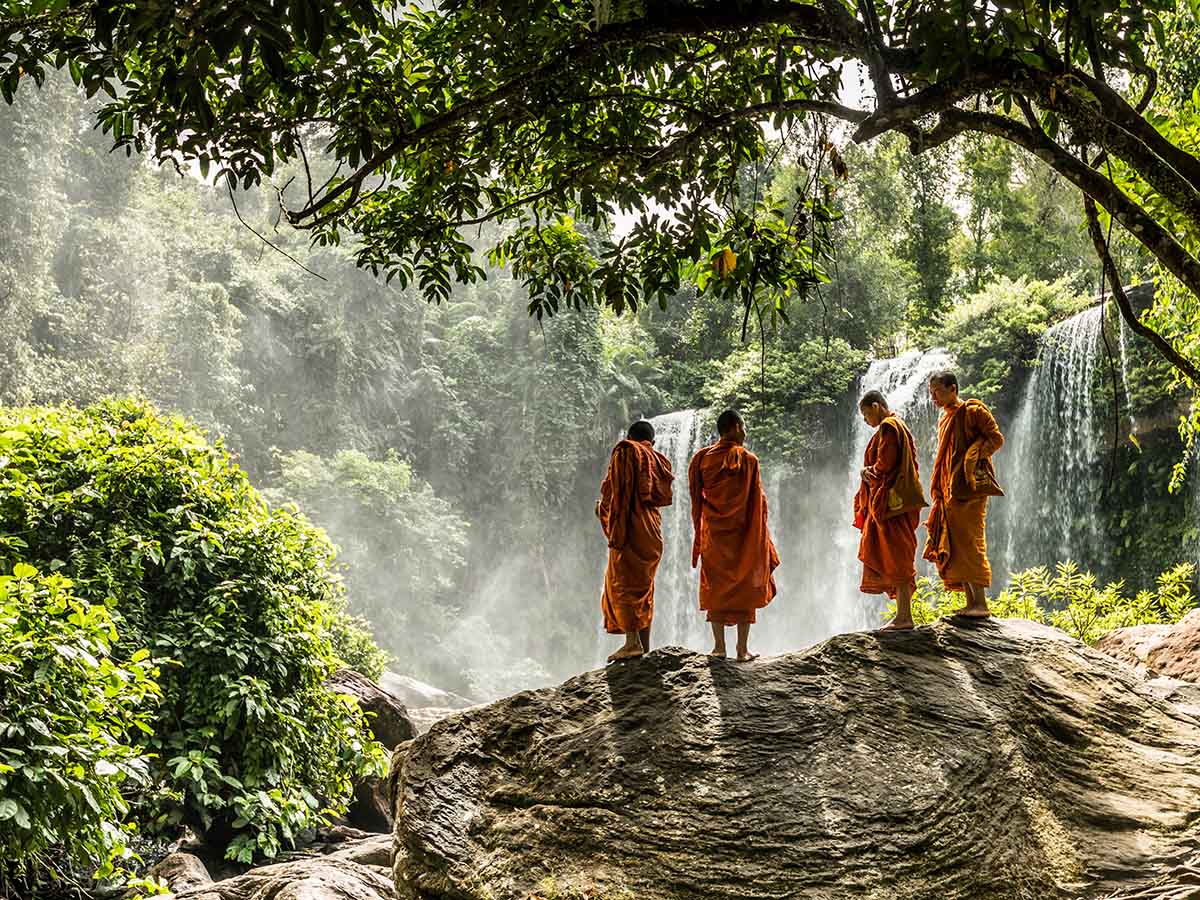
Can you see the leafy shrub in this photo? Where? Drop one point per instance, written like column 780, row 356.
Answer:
column 146, row 517
column 1068, row 599
column 354, row 645
column 70, row 717
column 402, row 544
column 1088, row 612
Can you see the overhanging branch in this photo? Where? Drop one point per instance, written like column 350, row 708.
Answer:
column 1128, row 313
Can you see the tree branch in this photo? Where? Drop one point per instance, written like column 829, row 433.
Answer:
column 1163, row 346
column 1137, row 221
column 815, row 26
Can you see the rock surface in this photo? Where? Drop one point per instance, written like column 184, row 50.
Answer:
column 181, row 872
column 424, row 717
column 357, row 871
column 1003, row 760
column 1171, row 650
column 387, row 713
column 417, row 694
column 392, row 726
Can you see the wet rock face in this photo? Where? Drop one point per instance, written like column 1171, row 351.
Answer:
column 1003, row 760
column 1170, row 650
column 388, row 717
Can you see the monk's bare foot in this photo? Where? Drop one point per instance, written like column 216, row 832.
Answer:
column 746, row 656
column 626, row 653
column 973, row 613
column 899, row 625
column 718, row 652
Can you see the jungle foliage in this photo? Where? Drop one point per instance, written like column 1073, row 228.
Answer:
column 1070, row 599
column 155, row 528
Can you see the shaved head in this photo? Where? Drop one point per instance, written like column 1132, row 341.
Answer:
column 641, row 431
column 870, row 398
column 944, row 379
column 728, row 421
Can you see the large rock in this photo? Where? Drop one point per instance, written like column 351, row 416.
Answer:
column 1003, row 760
column 358, row 871
column 181, row 872
column 426, row 717
column 392, row 726
column 388, row 716
column 419, row 695
column 1171, row 650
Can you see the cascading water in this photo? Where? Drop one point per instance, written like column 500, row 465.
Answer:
column 1056, row 470
column 677, row 619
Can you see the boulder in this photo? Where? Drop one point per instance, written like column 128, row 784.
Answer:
column 181, row 872
column 351, row 873
column 391, row 725
column 417, row 694
column 1171, row 650
column 991, row 761
column 425, row 716
column 386, row 712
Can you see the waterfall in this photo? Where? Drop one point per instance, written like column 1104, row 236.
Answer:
column 677, row 618
column 1056, row 471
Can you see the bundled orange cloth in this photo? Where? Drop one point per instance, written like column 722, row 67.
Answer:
column 637, row 483
column 888, row 510
column 731, row 540
column 963, row 479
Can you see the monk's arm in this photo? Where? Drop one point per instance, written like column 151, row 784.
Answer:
column 604, row 504
column 622, row 473
column 885, row 464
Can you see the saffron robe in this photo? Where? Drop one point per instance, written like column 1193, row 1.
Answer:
column 730, row 538
column 888, row 546
column 637, row 483
column 957, row 544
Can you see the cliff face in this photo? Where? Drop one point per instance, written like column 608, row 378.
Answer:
column 1003, row 760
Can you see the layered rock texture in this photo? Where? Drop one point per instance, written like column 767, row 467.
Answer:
column 356, row 871
column 1166, row 650
column 1000, row 760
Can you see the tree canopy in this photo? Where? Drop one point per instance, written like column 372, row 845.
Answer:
column 551, row 118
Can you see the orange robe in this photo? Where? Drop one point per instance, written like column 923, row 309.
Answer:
column 888, row 547
column 967, row 437
column 731, row 540
column 637, row 483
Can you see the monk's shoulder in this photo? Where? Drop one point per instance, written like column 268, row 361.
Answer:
column 978, row 410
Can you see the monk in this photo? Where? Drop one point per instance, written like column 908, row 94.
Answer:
column 637, row 483
column 730, row 537
column 887, row 509
column 963, row 479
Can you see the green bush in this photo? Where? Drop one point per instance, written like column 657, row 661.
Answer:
column 401, row 544
column 1068, row 599
column 71, row 718
column 147, row 517
column 354, row 645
